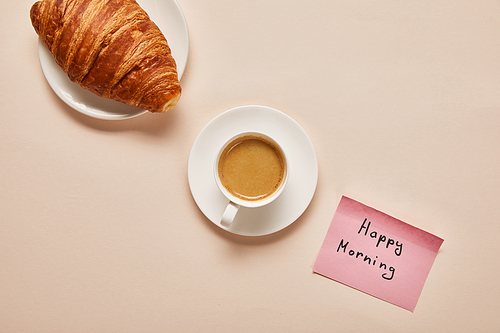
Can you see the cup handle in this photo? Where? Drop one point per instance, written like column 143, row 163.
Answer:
column 229, row 214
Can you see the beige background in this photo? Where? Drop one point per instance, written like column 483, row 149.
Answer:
column 401, row 99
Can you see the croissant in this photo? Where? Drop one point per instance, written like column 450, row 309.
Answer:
column 111, row 48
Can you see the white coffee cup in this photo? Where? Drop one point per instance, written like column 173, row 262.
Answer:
column 251, row 170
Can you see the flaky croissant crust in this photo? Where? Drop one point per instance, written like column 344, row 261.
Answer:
column 112, row 48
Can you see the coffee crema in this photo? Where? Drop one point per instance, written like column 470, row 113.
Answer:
column 251, row 168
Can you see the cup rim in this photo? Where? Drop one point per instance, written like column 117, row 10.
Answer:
column 239, row 201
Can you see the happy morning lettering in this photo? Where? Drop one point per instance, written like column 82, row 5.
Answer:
column 381, row 241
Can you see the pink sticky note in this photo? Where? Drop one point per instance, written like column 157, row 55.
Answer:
column 377, row 254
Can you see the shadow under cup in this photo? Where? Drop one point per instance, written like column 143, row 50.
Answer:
column 251, row 170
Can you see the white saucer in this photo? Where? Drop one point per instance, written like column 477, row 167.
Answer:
column 168, row 16
column 302, row 180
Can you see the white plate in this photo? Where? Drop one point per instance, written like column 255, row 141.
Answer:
column 168, row 16
column 302, row 180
